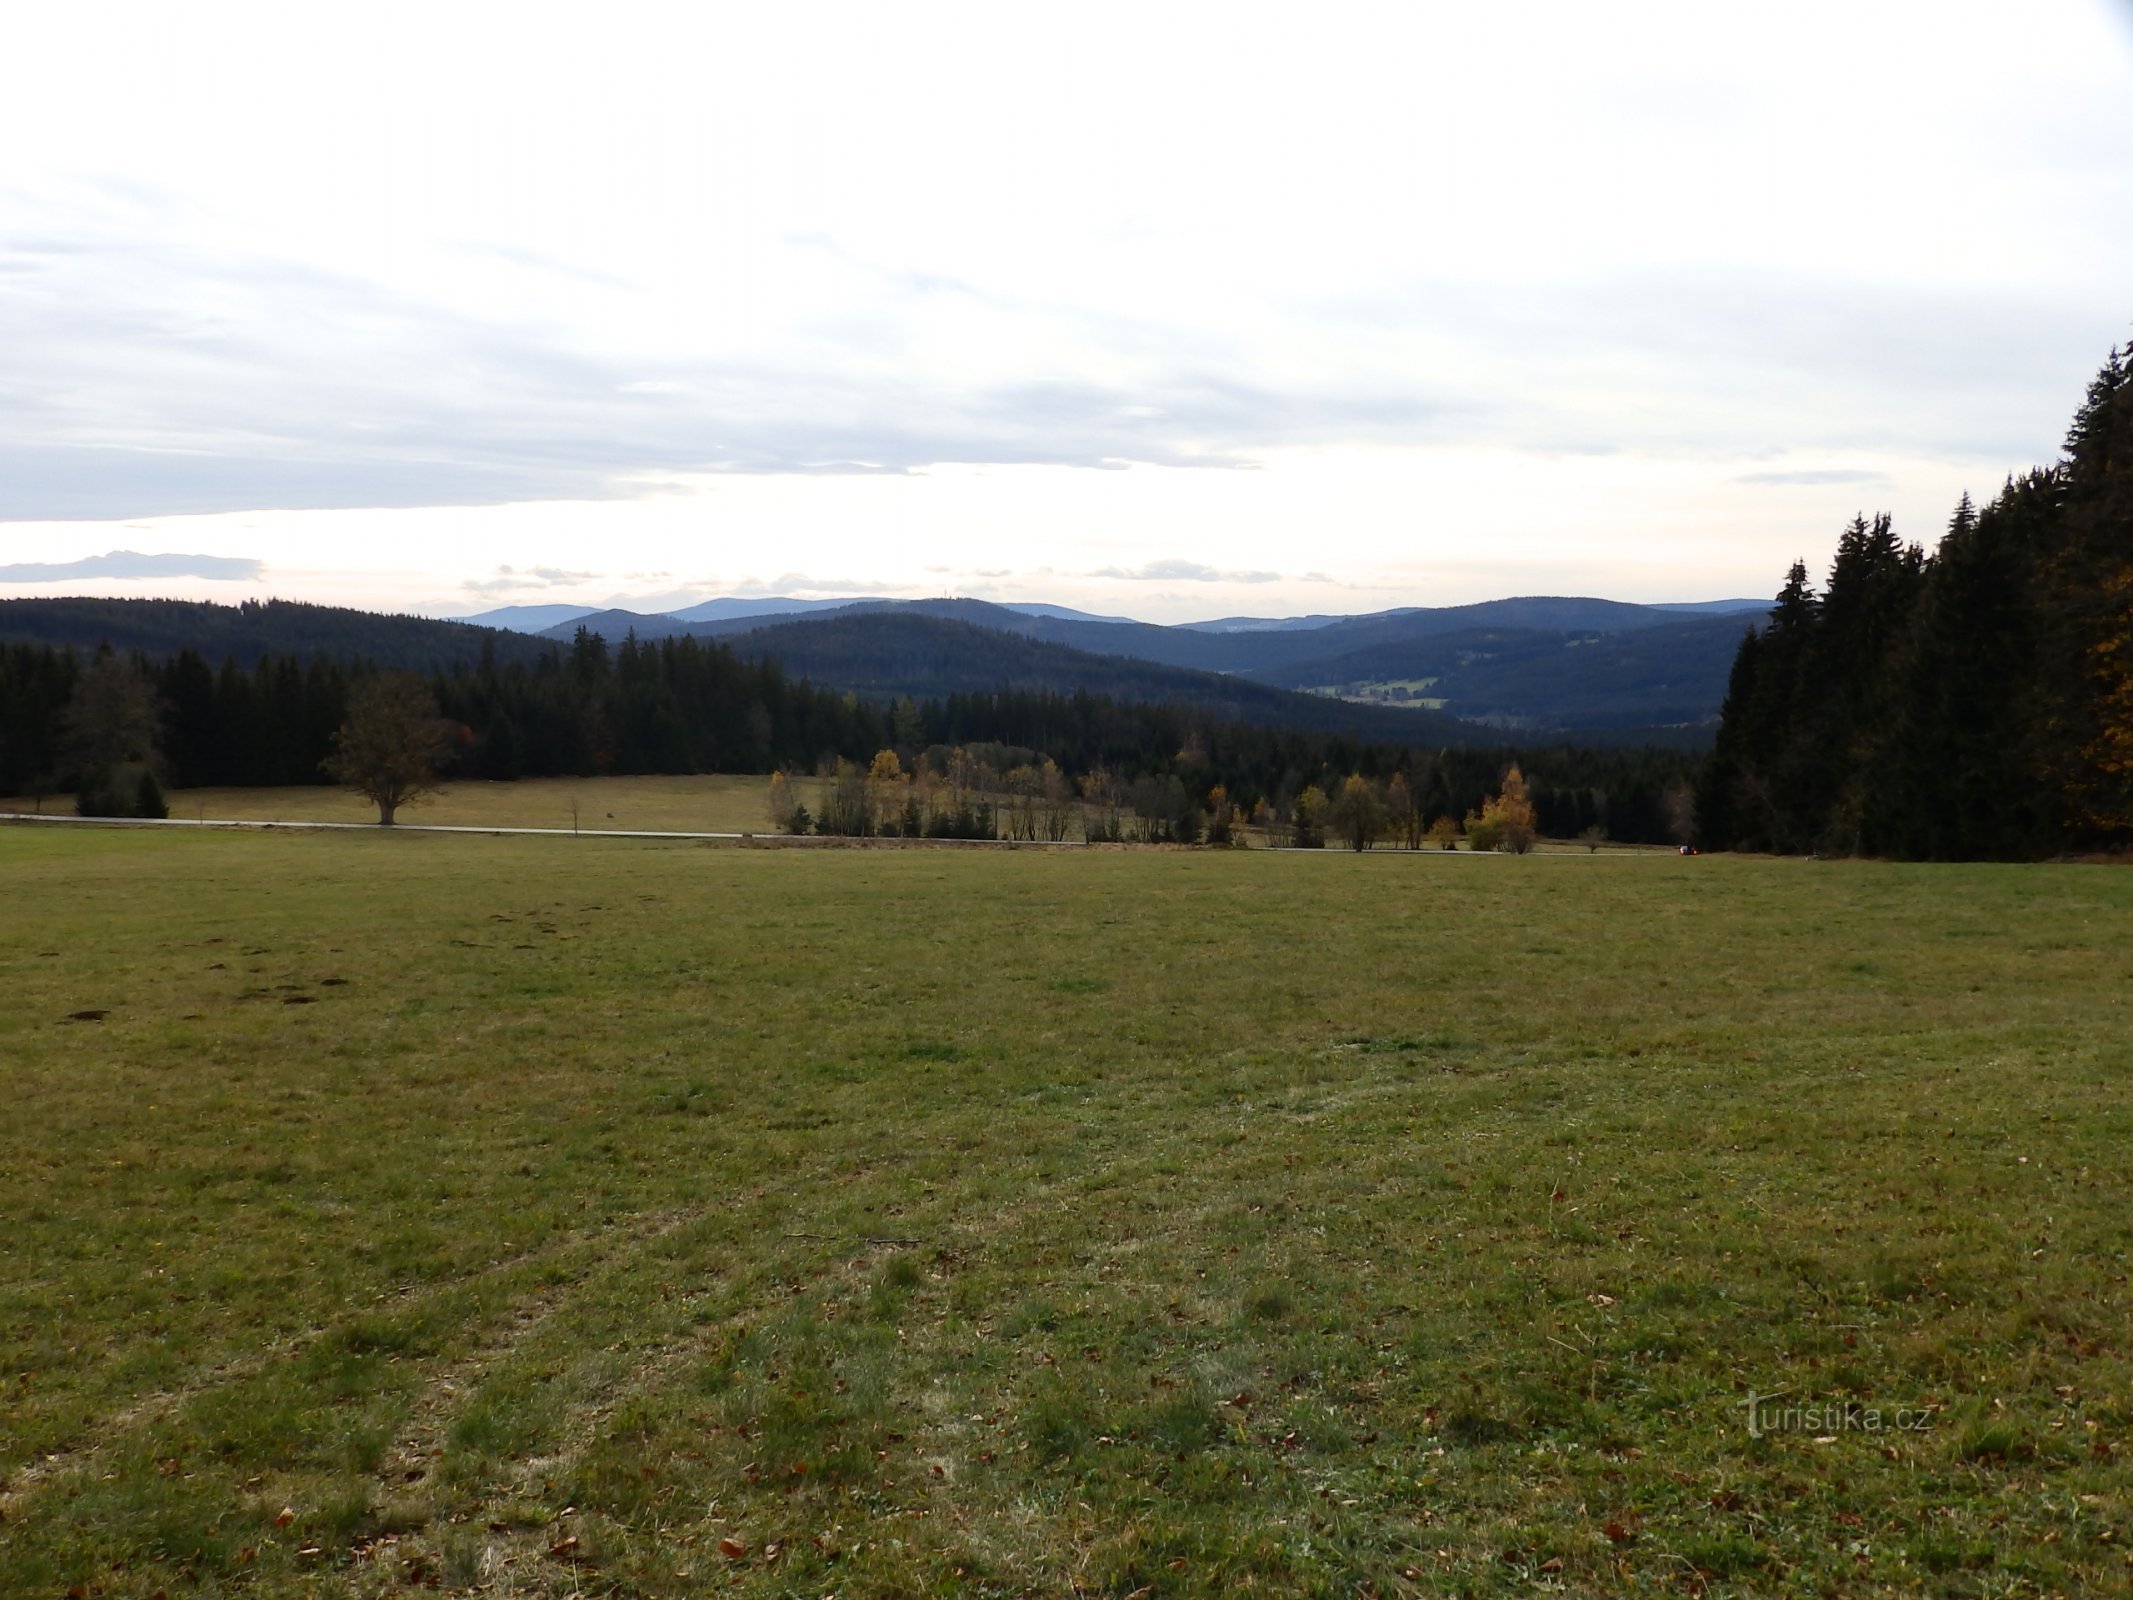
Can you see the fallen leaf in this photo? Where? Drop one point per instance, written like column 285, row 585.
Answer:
column 733, row 1549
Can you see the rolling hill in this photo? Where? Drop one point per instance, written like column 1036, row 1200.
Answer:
column 260, row 627
column 1571, row 667
column 1542, row 664
column 880, row 654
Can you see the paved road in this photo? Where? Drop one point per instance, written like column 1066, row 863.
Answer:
column 827, row 841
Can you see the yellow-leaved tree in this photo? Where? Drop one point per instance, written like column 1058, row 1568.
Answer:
column 887, row 791
column 1507, row 822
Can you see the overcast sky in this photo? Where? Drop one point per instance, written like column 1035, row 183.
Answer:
column 1172, row 311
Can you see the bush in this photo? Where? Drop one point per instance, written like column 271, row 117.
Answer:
column 128, row 789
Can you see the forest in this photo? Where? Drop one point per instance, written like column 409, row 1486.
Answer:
column 94, row 725
column 1975, row 703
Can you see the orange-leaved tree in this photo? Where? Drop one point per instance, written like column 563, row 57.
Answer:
column 1507, row 821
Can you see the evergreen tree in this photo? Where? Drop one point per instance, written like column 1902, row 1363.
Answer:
column 1962, row 779
column 2090, row 642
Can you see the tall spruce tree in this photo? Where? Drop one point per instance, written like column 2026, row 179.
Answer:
column 2090, row 641
column 1961, row 779
column 1754, row 799
column 1849, row 708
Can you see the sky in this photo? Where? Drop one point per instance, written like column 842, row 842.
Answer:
column 1172, row 312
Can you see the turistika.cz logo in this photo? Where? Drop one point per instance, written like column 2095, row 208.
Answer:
column 1772, row 1413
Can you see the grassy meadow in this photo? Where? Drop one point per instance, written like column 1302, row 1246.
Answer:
column 703, row 804
column 392, row 1213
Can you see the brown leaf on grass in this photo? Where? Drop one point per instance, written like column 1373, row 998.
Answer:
column 564, row 1549
column 1617, row 1534
column 733, row 1549
column 284, row 1517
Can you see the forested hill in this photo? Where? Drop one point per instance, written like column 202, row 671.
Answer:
column 1269, row 655
column 1977, row 702
column 260, row 628
column 1553, row 680
column 1557, row 665
column 881, row 654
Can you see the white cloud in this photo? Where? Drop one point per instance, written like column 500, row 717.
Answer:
column 132, row 564
column 1175, row 571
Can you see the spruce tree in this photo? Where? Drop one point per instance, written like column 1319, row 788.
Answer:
column 2091, row 639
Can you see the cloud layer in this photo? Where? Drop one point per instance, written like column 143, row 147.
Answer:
column 132, row 564
column 1687, row 255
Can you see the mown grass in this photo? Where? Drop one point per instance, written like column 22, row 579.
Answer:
column 517, row 1216
column 707, row 803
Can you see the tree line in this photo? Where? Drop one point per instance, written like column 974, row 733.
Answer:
column 94, row 726
column 1969, row 704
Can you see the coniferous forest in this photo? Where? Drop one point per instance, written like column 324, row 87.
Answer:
column 1974, row 703
column 683, row 705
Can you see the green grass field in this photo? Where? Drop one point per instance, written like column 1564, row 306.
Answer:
column 704, row 804
column 708, row 803
column 382, row 1213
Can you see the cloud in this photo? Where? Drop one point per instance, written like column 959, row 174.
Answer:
column 787, row 584
column 510, row 580
column 1812, row 479
column 149, row 374
column 132, row 564
column 1174, row 571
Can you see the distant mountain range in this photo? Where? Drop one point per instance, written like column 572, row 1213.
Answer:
column 1544, row 664
column 1576, row 669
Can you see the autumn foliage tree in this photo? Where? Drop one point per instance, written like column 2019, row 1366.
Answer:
column 394, row 747
column 1507, row 821
column 1357, row 812
column 888, row 791
column 783, row 804
column 1403, row 811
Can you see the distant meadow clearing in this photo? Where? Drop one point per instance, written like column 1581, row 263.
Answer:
column 705, row 803
column 388, row 1213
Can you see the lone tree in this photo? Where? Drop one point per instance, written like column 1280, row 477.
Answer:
column 394, row 746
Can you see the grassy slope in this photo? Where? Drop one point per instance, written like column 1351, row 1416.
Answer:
column 1299, row 1223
